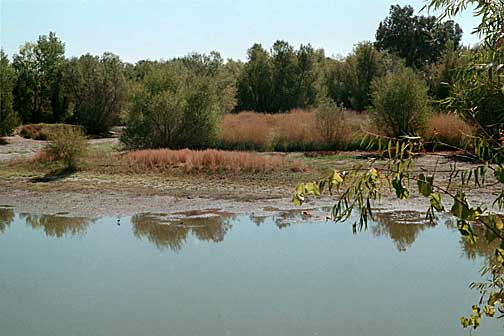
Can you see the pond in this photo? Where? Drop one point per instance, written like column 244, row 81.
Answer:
column 234, row 275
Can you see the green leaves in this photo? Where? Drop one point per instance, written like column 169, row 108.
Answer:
column 460, row 208
column 298, row 197
column 494, row 298
column 474, row 319
column 401, row 191
column 334, row 180
column 302, row 190
column 425, row 184
column 489, row 311
column 499, row 254
column 499, row 174
column 435, row 201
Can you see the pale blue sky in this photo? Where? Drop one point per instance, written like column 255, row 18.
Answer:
column 155, row 29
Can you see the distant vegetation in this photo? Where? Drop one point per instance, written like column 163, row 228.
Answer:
column 191, row 102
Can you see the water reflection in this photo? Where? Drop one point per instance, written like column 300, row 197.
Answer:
column 6, row 218
column 173, row 234
column 285, row 219
column 403, row 228
column 57, row 225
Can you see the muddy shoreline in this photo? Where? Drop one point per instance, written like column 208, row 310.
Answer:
column 91, row 194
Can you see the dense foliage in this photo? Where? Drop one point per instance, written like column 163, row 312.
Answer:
column 8, row 118
column 281, row 79
column 420, row 40
column 174, row 106
column 38, row 92
column 400, row 103
column 96, row 91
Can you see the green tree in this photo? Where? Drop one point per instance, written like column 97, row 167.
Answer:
column 366, row 64
column 37, row 92
column 8, row 118
column 223, row 75
column 97, row 90
column 442, row 75
column 227, row 85
column 285, row 65
column 308, row 74
column 201, row 116
column 255, row 83
column 155, row 109
column 173, row 106
column 338, row 80
column 420, row 40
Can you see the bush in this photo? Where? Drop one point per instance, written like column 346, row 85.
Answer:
column 67, row 145
column 400, row 103
column 330, row 120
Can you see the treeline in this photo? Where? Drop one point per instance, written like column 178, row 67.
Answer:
column 178, row 103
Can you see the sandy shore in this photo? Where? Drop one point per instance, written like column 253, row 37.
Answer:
column 94, row 195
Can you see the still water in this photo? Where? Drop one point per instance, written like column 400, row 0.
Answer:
column 234, row 276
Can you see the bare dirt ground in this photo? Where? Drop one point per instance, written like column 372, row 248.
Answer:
column 92, row 194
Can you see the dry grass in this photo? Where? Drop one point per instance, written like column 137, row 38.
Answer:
column 210, row 160
column 448, row 129
column 296, row 130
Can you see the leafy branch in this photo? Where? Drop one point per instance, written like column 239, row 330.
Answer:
column 357, row 190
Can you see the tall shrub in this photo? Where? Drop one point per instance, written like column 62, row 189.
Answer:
column 400, row 102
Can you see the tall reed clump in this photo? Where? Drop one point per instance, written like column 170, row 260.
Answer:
column 449, row 129
column 209, row 160
column 297, row 130
column 331, row 124
column 67, row 145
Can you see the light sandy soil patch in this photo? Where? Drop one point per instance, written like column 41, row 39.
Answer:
column 91, row 194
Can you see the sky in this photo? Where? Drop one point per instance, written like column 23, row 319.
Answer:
column 156, row 29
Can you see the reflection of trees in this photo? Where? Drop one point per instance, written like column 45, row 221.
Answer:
column 402, row 227
column 57, row 226
column 173, row 234
column 6, row 218
column 480, row 248
column 258, row 220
